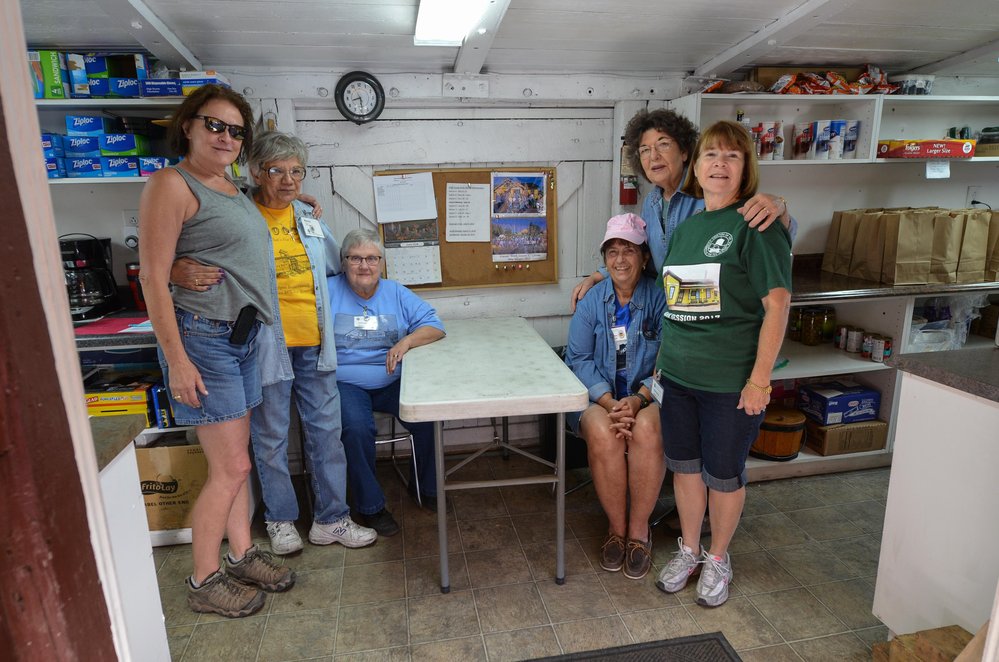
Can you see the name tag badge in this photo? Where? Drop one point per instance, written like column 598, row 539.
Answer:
column 366, row 322
column 620, row 334
column 311, row 227
column 657, row 390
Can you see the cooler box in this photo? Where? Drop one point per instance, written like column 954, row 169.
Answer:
column 829, row 403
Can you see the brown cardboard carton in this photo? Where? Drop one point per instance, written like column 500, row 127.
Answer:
column 846, row 437
column 171, row 478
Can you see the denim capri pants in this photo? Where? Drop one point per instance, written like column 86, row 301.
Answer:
column 704, row 433
column 229, row 372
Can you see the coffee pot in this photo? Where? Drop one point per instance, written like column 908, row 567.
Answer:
column 92, row 290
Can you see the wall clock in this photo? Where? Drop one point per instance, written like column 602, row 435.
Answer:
column 359, row 97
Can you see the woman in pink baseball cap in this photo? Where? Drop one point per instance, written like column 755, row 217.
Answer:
column 613, row 341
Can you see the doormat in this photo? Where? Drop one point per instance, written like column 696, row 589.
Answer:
column 711, row 647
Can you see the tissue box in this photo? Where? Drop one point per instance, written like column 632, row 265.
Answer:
column 55, row 167
column 52, row 145
column 120, row 166
column 161, row 87
column 123, row 144
column 89, row 125
column 839, row 402
column 48, row 74
column 150, row 164
column 81, row 146
column 87, row 167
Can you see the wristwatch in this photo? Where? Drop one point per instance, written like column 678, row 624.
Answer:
column 644, row 400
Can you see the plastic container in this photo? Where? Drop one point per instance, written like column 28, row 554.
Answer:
column 913, row 83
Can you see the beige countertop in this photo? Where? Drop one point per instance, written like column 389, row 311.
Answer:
column 113, row 433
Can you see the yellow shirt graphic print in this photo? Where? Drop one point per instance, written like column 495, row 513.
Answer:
column 296, row 288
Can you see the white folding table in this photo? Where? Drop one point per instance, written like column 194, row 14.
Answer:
column 485, row 368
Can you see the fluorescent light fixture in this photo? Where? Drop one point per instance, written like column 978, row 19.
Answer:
column 446, row 22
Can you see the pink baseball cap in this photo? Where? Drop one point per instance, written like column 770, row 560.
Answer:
column 628, row 227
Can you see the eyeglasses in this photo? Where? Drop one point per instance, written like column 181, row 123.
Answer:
column 297, row 173
column 215, row 125
column 370, row 260
column 662, row 146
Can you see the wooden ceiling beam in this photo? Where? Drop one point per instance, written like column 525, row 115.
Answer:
column 152, row 33
column 474, row 50
column 805, row 17
column 988, row 52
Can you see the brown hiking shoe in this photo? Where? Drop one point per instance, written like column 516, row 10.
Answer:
column 221, row 594
column 612, row 553
column 261, row 569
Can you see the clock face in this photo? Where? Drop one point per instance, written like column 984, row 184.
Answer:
column 359, row 97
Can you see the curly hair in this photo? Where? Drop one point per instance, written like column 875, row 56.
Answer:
column 726, row 135
column 670, row 122
column 175, row 133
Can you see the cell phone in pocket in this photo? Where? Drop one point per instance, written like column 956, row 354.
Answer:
column 241, row 327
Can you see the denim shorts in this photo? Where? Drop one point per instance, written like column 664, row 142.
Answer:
column 230, row 372
column 704, row 433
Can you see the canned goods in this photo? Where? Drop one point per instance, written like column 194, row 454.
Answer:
column 842, row 331
column 865, row 345
column 878, row 349
column 794, row 324
column 811, row 326
column 887, row 340
column 855, row 340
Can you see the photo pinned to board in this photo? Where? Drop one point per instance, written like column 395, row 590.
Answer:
column 519, row 194
column 523, row 239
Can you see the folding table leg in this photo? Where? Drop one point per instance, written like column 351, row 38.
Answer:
column 560, row 499
column 441, row 504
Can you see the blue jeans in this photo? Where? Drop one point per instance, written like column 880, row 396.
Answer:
column 704, row 433
column 357, row 412
column 318, row 404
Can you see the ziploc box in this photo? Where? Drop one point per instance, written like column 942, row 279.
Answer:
column 161, row 87
column 81, row 146
column 123, row 144
column 150, row 164
column 55, row 167
column 84, row 167
column 79, row 87
column 839, row 402
column 89, row 125
column 52, row 145
column 120, row 166
column 48, row 74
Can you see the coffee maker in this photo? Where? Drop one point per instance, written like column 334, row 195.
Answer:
column 87, row 264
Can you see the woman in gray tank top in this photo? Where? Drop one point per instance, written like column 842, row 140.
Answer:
column 206, row 339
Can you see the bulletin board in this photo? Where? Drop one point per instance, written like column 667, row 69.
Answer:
column 522, row 247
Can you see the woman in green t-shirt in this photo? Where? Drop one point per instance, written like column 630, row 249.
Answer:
column 727, row 290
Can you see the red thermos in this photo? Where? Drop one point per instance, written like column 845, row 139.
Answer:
column 132, row 272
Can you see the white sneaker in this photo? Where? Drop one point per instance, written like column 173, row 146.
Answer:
column 681, row 568
column 284, row 538
column 712, row 587
column 345, row 531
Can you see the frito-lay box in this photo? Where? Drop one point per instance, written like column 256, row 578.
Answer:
column 171, row 478
column 839, row 402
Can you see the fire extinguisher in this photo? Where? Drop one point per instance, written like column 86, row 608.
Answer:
column 628, row 192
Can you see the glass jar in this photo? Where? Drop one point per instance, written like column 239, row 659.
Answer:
column 811, row 326
column 828, row 323
column 794, row 324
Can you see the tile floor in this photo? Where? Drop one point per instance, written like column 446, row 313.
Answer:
column 805, row 558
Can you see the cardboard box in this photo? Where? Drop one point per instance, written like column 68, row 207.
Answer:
column 987, row 149
column 76, row 68
column 84, row 167
column 123, row 144
column 161, row 87
column 123, row 410
column 89, row 125
column 109, row 387
column 839, row 402
column 48, row 74
column 846, row 437
column 189, row 85
column 120, row 166
column 81, row 146
column 926, row 149
column 171, row 478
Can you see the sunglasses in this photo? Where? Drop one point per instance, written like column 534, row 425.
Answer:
column 215, row 125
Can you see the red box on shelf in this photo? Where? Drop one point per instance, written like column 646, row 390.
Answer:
column 926, row 149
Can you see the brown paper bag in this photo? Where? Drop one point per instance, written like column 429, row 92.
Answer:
column 868, row 247
column 830, row 253
column 947, row 231
column 908, row 246
column 992, row 250
column 974, row 245
column 848, row 222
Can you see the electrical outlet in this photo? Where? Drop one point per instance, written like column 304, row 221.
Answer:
column 130, row 231
column 973, row 194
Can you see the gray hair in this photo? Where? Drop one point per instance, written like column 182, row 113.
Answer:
column 361, row 237
column 276, row 146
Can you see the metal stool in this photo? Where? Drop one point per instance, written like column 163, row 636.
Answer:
column 392, row 438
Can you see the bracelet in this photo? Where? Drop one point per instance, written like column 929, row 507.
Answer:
column 784, row 202
column 641, row 398
column 766, row 389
